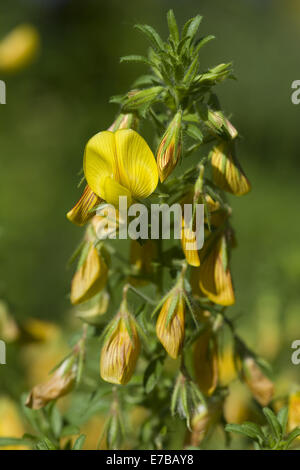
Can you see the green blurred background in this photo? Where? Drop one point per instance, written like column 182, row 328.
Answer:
column 57, row 104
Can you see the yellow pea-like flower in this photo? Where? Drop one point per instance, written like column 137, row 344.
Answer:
column 294, row 411
column 206, row 362
column 18, row 48
column 260, row 386
column 120, row 164
column 213, row 278
column 141, row 257
column 170, row 327
column 90, row 278
column 227, row 172
column 120, row 351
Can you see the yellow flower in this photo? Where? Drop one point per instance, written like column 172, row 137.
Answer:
column 18, row 48
column 120, row 164
column 82, row 211
column 60, row 383
column 170, row 328
column 9, row 330
column 227, row 172
column 213, row 278
column 206, row 362
column 169, row 149
column 294, row 411
column 10, row 422
column 260, row 386
column 120, row 351
column 90, row 278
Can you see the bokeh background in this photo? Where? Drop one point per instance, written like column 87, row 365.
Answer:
column 56, row 104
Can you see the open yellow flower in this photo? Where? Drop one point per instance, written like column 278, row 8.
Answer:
column 120, row 164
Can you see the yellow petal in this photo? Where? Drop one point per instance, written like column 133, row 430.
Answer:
column 227, row 172
column 189, row 246
column 171, row 333
column 112, row 190
column 137, row 165
column 206, row 362
column 81, row 212
column 215, row 279
column 90, row 278
column 120, row 352
column 100, row 161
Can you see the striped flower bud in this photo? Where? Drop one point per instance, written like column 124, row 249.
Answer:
column 90, row 278
column 120, row 351
column 227, row 172
column 169, row 149
column 82, row 211
column 19, row 48
column 125, row 121
column 170, row 328
column 213, row 278
column 206, row 362
column 204, row 420
column 60, row 383
column 260, row 386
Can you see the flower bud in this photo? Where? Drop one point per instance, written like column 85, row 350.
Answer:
column 124, row 121
column 227, row 172
column 90, row 278
column 137, row 98
column 204, row 420
column 169, row 149
column 260, row 386
column 82, row 211
column 170, row 328
column 206, row 362
column 141, row 257
column 120, row 350
column 60, row 383
column 294, row 411
column 98, row 306
column 213, row 278
column 18, row 48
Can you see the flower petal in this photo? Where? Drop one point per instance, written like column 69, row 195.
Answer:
column 81, row 212
column 137, row 165
column 112, row 190
column 100, row 161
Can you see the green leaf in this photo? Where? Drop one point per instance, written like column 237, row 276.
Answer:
column 152, row 35
column 202, row 43
column 79, row 442
column 56, row 421
column 291, row 437
column 194, row 132
column 70, row 430
column 191, row 27
column 153, row 373
column 173, row 28
column 136, row 58
column 282, row 417
column 273, row 423
column 243, row 429
column 14, row 441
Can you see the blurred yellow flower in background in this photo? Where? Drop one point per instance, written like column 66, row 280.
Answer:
column 11, row 424
column 19, row 48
